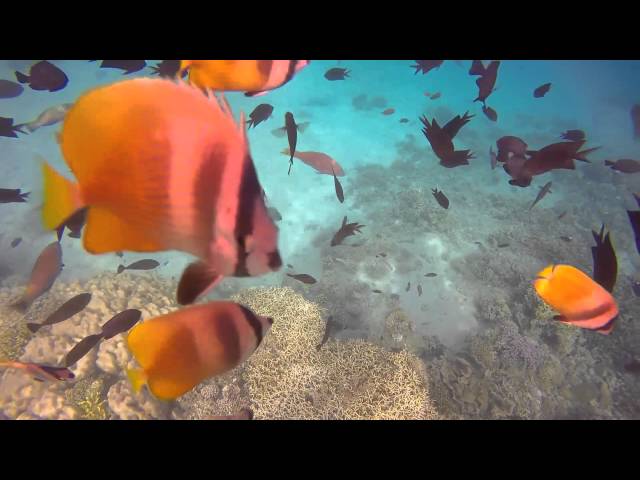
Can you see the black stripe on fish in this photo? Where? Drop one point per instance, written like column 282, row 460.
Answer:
column 253, row 322
column 291, row 71
column 247, row 195
column 264, row 67
column 229, row 337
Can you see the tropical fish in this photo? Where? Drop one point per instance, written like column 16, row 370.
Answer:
column 389, row 111
column 425, row 66
column 40, row 372
column 146, row 264
column 292, row 136
column 542, row 90
column 45, row 271
column 168, row 69
column 435, row 96
column 304, row 278
column 605, row 262
column 634, row 218
column 404, row 120
column 625, row 165
column 9, row 89
column 13, row 195
column 376, row 291
column 430, row 275
column 120, row 323
column 441, row 140
column 320, row 162
column 334, row 74
column 553, row 157
column 338, row 186
column 179, row 350
column 128, row 66
column 64, row 312
column 441, row 198
column 346, row 230
column 259, row 114
column 635, row 121
column 44, row 76
column 50, row 116
column 142, row 128
column 255, row 77
column 80, row 349
column 327, row 332
column 408, row 287
column 580, row 301
column 8, row 129
column 543, row 191
column 573, row 135
column 490, row 113
column 15, row 242
column 487, row 81
column 503, row 245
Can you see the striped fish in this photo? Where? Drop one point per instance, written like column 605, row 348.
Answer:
column 179, row 350
column 255, row 77
column 161, row 166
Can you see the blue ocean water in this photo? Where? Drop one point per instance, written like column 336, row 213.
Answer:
column 390, row 172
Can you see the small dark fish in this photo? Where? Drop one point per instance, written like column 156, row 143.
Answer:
column 566, row 239
column 573, row 135
column 8, row 129
column 45, row 271
column 408, row 287
column 243, row 414
column 44, row 76
column 605, row 262
column 120, row 323
column 633, row 367
column 425, row 66
column 66, row 311
column 404, row 120
column 389, row 111
column 129, row 66
column 543, row 191
column 40, row 372
column 561, row 216
column 168, row 69
column 146, row 264
column 304, row 278
column 419, row 287
column 9, row 89
column 478, row 243
column 490, row 113
column 376, row 291
column 120, row 254
column 493, row 157
column 334, row 74
column 625, row 165
column 635, row 286
column 503, row 245
column 74, row 223
column 634, row 219
column 327, row 332
column 542, row 90
column 443, row 201
column 261, row 113
column 346, row 230
column 80, row 349
column 381, row 255
column 336, row 182
column 292, row 136
column 274, row 214
column 431, row 275
column 13, row 195
column 15, row 242
column 435, row 96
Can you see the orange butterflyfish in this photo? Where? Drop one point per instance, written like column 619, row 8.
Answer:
column 159, row 165
column 179, row 350
column 254, row 77
column 579, row 299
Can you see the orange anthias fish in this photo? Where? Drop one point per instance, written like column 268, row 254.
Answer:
column 255, row 77
column 40, row 372
column 580, row 300
column 162, row 166
column 320, row 162
column 179, row 350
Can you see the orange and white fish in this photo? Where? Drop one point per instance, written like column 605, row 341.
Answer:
column 580, row 300
column 160, row 165
column 179, row 350
column 255, row 77
column 44, row 273
column 40, row 372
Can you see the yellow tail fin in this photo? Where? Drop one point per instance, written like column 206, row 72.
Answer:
column 61, row 198
column 137, row 378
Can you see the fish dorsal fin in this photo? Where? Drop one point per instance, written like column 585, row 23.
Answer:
column 344, row 221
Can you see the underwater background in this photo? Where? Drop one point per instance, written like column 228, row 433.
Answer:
column 475, row 343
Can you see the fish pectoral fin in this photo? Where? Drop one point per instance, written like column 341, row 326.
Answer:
column 137, row 378
column 197, row 279
column 105, row 232
column 302, row 126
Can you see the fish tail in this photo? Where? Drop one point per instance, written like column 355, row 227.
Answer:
column 581, row 155
column 61, row 198
column 137, row 378
column 608, row 163
column 21, row 77
column 33, row 327
column 121, row 269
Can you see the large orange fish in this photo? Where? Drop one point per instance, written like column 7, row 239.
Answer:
column 580, row 300
column 162, row 166
column 255, row 77
column 179, row 350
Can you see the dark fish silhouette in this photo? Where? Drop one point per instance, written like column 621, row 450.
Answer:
column 8, row 129
column 635, row 121
column 336, row 182
column 443, row 201
column 624, row 165
column 605, row 263
column 146, row 264
column 64, row 312
column 120, row 323
column 389, row 111
column 542, row 90
column 490, row 113
column 334, row 74
column 261, row 113
column 510, row 144
column 304, row 278
column 381, row 255
column 292, row 136
column 419, row 288
column 74, row 223
column 430, row 275
column 441, row 140
column 634, row 218
column 487, row 81
column 346, row 230
column 327, row 332
column 9, row 89
column 13, row 195
column 168, row 69
column 408, row 287
column 80, row 349
column 503, row 245
column 40, row 372
column 128, row 66
column 15, row 242
column 44, row 76
column 543, row 191
column 376, row 291
column 425, row 66
column 573, row 135
column 404, row 120
column 45, row 271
